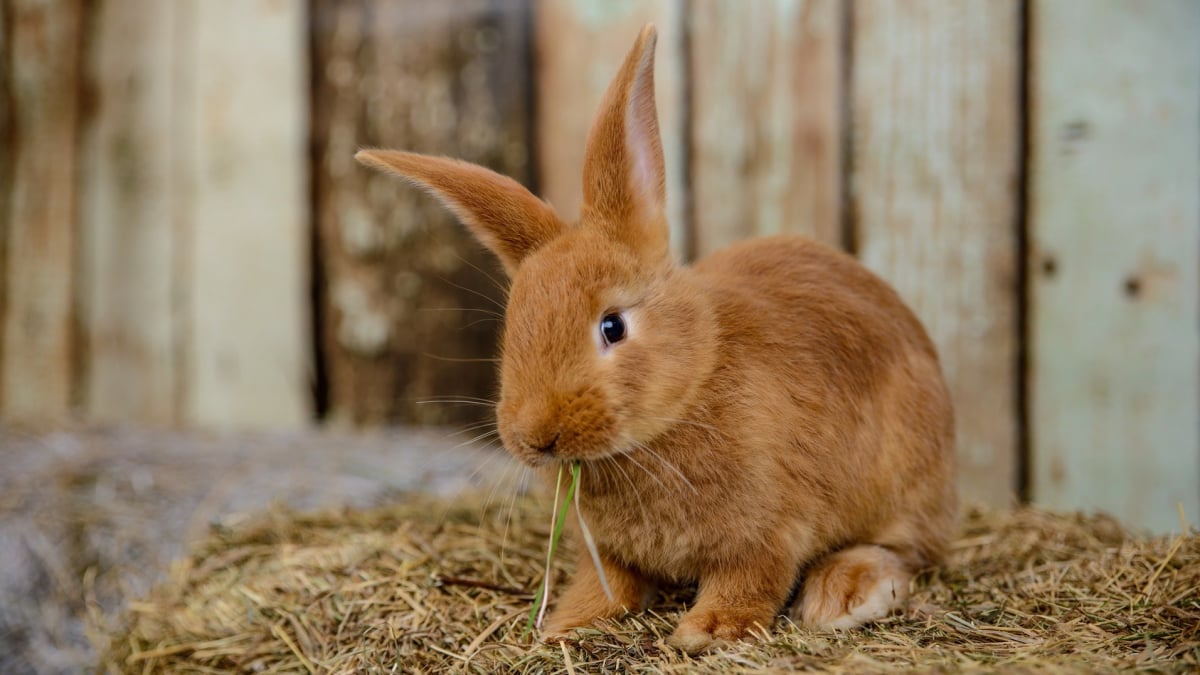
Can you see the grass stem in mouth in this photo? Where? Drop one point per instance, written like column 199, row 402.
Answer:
column 587, row 535
column 558, row 518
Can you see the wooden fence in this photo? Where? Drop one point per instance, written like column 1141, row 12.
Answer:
column 187, row 240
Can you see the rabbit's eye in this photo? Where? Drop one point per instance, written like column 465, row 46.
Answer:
column 612, row 328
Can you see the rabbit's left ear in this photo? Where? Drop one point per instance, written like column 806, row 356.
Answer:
column 624, row 183
column 499, row 211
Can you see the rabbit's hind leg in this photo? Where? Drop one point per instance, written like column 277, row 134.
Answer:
column 851, row 587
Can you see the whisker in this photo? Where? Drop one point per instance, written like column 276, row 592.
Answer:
column 455, row 359
column 693, row 423
column 480, row 437
column 499, row 286
column 492, row 493
column 492, row 312
column 632, row 487
column 467, row 486
column 471, row 427
column 628, row 455
column 479, row 468
column 512, row 503
column 472, row 291
column 670, row 466
column 457, row 397
column 454, row 401
column 479, row 321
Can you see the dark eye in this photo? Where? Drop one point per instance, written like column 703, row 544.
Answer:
column 612, row 328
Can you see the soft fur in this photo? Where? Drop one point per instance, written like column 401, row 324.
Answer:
column 774, row 411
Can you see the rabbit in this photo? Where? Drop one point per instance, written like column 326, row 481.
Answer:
column 772, row 415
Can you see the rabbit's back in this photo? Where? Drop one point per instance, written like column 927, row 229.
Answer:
column 821, row 345
column 809, row 281
column 796, row 303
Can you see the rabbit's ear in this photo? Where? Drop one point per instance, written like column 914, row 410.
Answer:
column 498, row 210
column 624, row 186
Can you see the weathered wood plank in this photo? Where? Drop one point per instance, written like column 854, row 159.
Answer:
column 8, row 139
column 934, row 171
column 39, row 222
column 580, row 45
column 244, row 101
column 405, row 290
column 766, row 148
column 1114, row 230
column 126, row 220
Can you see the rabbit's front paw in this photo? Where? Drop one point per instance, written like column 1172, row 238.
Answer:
column 701, row 629
column 563, row 623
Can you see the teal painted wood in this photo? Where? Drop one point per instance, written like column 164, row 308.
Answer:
column 933, row 191
column 1114, row 230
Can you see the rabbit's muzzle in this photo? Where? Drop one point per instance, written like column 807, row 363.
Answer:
column 573, row 426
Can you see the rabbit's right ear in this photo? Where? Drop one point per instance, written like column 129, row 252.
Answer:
column 499, row 211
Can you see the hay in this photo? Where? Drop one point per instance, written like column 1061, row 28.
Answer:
column 91, row 518
column 429, row 587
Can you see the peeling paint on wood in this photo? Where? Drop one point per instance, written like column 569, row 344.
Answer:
column 766, row 120
column 933, row 198
column 1114, row 234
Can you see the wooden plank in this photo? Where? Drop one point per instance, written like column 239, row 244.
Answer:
column 8, row 139
column 1114, row 230
column 580, row 45
column 43, row 83
column 405, row 290
column 766, row 104
column 244, row 96
column 934, row 171
column 126, row 220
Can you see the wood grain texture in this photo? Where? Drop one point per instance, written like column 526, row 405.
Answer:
column 579, row 46
column 766, row 102
column 42, row 83
column 8, row 139
column 409, row 301
column 1114, row 234
column 126, row 219
column 243, row 160
column 934, row 170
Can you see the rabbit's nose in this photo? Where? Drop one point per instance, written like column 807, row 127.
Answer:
column 547, row 448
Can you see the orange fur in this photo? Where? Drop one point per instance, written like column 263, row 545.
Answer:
column 772, row 409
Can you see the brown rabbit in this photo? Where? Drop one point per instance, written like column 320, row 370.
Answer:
column 773, row 411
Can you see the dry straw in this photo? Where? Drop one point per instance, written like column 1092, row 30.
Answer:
column 431, row 587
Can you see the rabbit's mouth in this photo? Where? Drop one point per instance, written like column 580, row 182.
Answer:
column 561, row 448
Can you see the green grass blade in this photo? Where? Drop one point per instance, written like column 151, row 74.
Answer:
column 558, row 521
column 540, row 598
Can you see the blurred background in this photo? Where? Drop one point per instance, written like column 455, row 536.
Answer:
column 186, row 241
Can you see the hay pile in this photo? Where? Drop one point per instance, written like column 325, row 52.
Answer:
column 429, row 587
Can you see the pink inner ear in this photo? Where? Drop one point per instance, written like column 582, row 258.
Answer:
column 643, row 144
column 643, row 170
